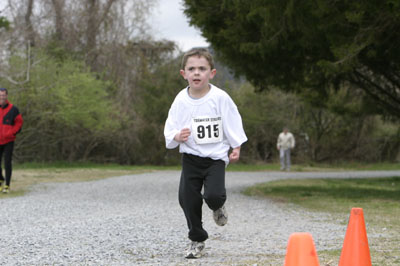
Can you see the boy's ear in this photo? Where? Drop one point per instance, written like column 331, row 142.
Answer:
column 213, row 73
column 182, row 73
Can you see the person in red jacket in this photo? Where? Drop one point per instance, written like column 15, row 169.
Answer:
column 10, row 125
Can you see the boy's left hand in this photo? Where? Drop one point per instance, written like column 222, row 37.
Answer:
column 234, row 156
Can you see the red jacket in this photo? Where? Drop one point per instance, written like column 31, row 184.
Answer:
column 10, row 123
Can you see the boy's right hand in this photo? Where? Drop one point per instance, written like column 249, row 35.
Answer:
column 183, row 135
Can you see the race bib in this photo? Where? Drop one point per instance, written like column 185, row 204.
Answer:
column 206, row 130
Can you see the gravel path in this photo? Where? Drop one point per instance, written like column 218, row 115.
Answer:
column 136, row 220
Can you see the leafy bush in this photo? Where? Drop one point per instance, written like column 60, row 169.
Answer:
column 66, row 109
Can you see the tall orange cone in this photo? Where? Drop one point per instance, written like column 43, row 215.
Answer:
column 301, row 251
column 355, row 251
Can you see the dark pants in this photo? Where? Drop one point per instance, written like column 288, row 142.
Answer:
column 196, row 173
column 7, row 150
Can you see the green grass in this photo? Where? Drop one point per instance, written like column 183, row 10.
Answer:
column 379, row 198
column 314, row 167
column 359, row 166
column 332, row 195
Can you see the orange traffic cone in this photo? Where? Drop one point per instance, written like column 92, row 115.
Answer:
column 355, row 251
column 301, row 251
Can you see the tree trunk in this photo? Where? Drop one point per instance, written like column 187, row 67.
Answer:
column 30, row 34
column 59, row 19
column 95, row 19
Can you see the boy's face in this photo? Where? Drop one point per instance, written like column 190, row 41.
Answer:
column 198, row 72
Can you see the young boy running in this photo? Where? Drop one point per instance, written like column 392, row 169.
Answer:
column 205, row 123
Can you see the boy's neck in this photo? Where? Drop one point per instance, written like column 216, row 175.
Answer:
column 197, row 94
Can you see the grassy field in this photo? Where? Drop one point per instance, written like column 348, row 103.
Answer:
column 379, row 198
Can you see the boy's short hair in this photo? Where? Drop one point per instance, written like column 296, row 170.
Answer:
column 4, row 89
column 198, row 52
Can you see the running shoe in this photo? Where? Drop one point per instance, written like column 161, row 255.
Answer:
column 195, row 250
column 220, row 216
column 6, row 189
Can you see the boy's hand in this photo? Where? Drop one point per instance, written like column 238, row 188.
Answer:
column 183, row 135
column 234, row 156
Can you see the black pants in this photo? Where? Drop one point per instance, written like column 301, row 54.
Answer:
column 196, row 173
column 7, row 150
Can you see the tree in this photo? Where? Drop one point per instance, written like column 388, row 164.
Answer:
column 311, row 44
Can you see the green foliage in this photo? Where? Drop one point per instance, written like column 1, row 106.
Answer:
column 264, row 115
column 340, row 132
column 72, row 114
column 316, row 45
column 158, row 89
column 66, row 109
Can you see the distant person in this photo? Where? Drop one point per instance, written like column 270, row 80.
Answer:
column 205, row 123
column 10, row 125
column 284, row 145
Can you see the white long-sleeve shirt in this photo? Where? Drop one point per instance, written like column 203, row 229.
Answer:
column 214, row 121
column 285, row 141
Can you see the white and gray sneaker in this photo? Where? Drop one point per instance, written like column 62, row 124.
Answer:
column 195, row 250
column 220, row 216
